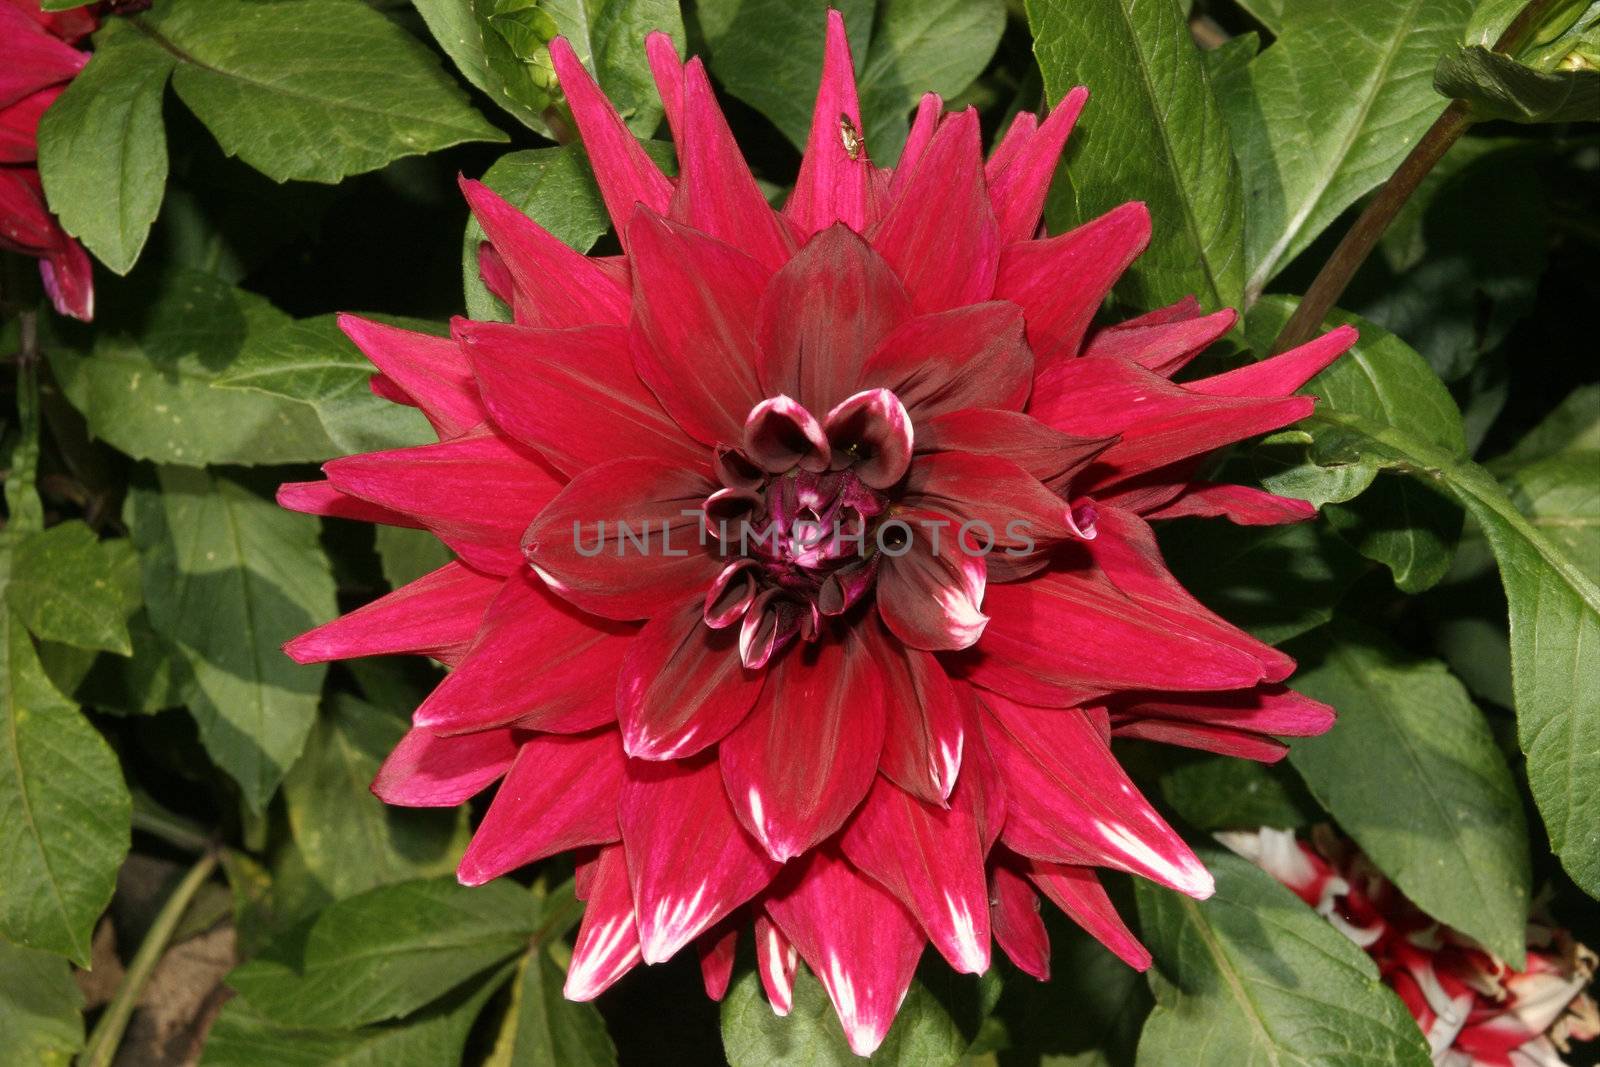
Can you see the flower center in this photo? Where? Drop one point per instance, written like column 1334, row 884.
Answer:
column 798, row 516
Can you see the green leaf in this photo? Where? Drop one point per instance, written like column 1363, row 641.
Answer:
column 1560, row 495
column 406, row 554
column 924, row 1034
column 1363, row 68
column 64, row 812
column 69, row 586
column 24, row 509
column 40, row 1020
column 313, row 362
column 1410, row 743
column 1223, row 793
column 552, row 186
column 312, row 90
column 228, row 578
column 1253, row 976
column 146, row 388
column 242, row 1038
column 1554, row 605
column 1407, row 527
column 1499, row 87
column 502, row 47
column 103, row 146
column 1573, row 425
column 386, row 953
column 768, row 53
column 1153, row 133
column 542, row 1026
column 351, row 841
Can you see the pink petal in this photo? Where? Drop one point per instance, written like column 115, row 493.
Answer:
column 432, row 371
column 776, row 961
column 856, row 938
column 1164, row 347
column 780, row 435
column 971, row 357
column 1024, row 124
column 19, row 125
column 693, row 333
column 560, row 794
column 822, row 315
column 924, row 731
column 1068, row 636
column 804, row 758
column 476, row 493
column 440, row 611
column 832, row 187
column 1204, row 736
column 572, row 395
column 716, row 192
column 1078, row 892
column 622, row 540
column 34, row 58
column 607, row 946
column 321, row 498
column 625, row 173
column 1018, row 186
column 931, row 859
column 941, row 236
column 1018, row 927
column 931, row 595
column 1237, row 503
column 690, row 862
column 1282, row 374
column 874, row 426
column 429, row 771
column 666, row 67
column 929, row 112
column 682, row 686
column 1129, row 556
column 568, row 687
column 1159, row 422
column 68, row 278
column 999, row 502
column 1268, row 709
column 563, row 286
column 26, row 224
column 1061, row 281
column 1047, row 454
column 716, row 950
column 1081, row 804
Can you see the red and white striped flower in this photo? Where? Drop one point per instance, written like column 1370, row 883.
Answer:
column 860, row 747
column 1474, row 1009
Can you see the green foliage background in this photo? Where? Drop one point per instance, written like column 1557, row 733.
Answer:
column 169, row 780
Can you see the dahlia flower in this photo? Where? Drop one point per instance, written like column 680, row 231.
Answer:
column 857, row 743
column 37, row 60
column 1474, row 1009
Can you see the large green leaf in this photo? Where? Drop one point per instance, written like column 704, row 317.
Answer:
column 1554, row 605
column 1327, row 112
column 69, row 586
column 243, row 1038
column 40, row 1020
column 311, row 89
column 1571, row 426
column 103, row 147
column 1410, row 528
column 64, row 811
column 228, row 578
column 1412, row 772
column 313, row 362
column 555, row 188
column 1560, row 494
column 386, row 953
column 1254, row 977
column 147, row 387
column 1213, row 793
column 350, row 840
column 501, row 47
column 1152, row 132
column 542, row 1026
column 1499, row 87
column 768, row 53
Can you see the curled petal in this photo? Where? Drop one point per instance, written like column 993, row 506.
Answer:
column 930, row 594
column 780, row 435
column 871, row 433
column 730, row 595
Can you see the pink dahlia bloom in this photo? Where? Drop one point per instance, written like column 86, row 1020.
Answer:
column 37, row 60
column 1474, row 1009
column 861, row 742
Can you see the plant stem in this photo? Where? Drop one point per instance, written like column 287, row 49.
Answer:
column 1362, row 237
column 1332, row 280
column 107, row 1035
